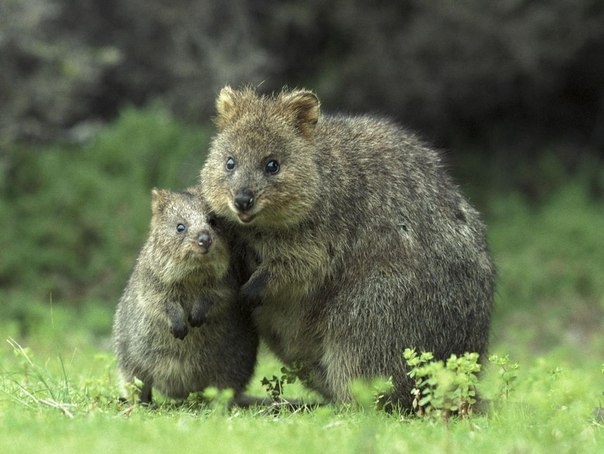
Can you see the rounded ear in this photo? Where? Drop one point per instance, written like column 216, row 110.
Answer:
column 303, row 107
column 159, row 199
column 226, row 107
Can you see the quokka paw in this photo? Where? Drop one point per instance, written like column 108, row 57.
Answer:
column 199, row 312
column 253, row 290
column 179, row 330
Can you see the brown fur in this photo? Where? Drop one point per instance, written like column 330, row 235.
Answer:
column 363, row 244
column 178, row 326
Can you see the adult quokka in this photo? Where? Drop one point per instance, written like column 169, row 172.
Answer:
column 362, row 243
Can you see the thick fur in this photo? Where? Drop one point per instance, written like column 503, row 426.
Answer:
column 363, row 244
column 178, row 326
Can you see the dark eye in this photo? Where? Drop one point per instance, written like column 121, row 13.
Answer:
column 213, row 222
column 272, row 167
column 181, row 228
column 230, row 164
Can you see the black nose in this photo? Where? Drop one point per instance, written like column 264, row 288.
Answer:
column 204, row 240
column 244, row 200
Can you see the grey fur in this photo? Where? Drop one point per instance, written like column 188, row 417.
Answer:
column 178, row 326
column 364, row 246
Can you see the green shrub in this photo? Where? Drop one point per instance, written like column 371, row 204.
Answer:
column 557, row 245
column 75, row 216
column 550, row 262
column 443, row 388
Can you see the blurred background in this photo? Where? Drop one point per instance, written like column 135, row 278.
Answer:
column 102, row 100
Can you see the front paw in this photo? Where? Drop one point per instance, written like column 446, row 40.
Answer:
column 253, row 290
column 179, row 330
column 199, row 312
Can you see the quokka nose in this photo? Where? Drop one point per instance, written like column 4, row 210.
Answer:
column 204, row 240
column 244, row 200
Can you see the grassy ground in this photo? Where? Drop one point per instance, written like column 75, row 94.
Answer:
column 58, row 383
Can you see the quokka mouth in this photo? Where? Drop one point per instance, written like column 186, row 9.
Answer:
column 197, row 256
column 246, row 218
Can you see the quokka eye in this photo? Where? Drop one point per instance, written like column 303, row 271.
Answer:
column 272, row 167
column 230, row 163
column 181, row 228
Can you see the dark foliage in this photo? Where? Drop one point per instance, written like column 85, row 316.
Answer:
column 504, row 76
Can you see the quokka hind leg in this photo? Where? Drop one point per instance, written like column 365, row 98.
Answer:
column 146, row 396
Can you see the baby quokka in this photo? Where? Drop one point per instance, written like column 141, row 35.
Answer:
column 178, row 327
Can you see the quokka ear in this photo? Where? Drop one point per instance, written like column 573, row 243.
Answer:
column 159, row 200
column 303, row 107
column 227, row 108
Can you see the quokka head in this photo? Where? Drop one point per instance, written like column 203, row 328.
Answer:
column 185, row 233
column 262, row 166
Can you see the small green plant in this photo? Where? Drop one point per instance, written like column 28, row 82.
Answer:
column 218, row 399
column 508, row 373
column 373, row 394
column 96, row 386
column 275, row 385
column 133, row 389
column 465, row 369
column 443, row 388
column 415, row 363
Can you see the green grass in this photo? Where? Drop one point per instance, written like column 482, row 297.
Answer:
column 65, row 401
column 58, row 384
